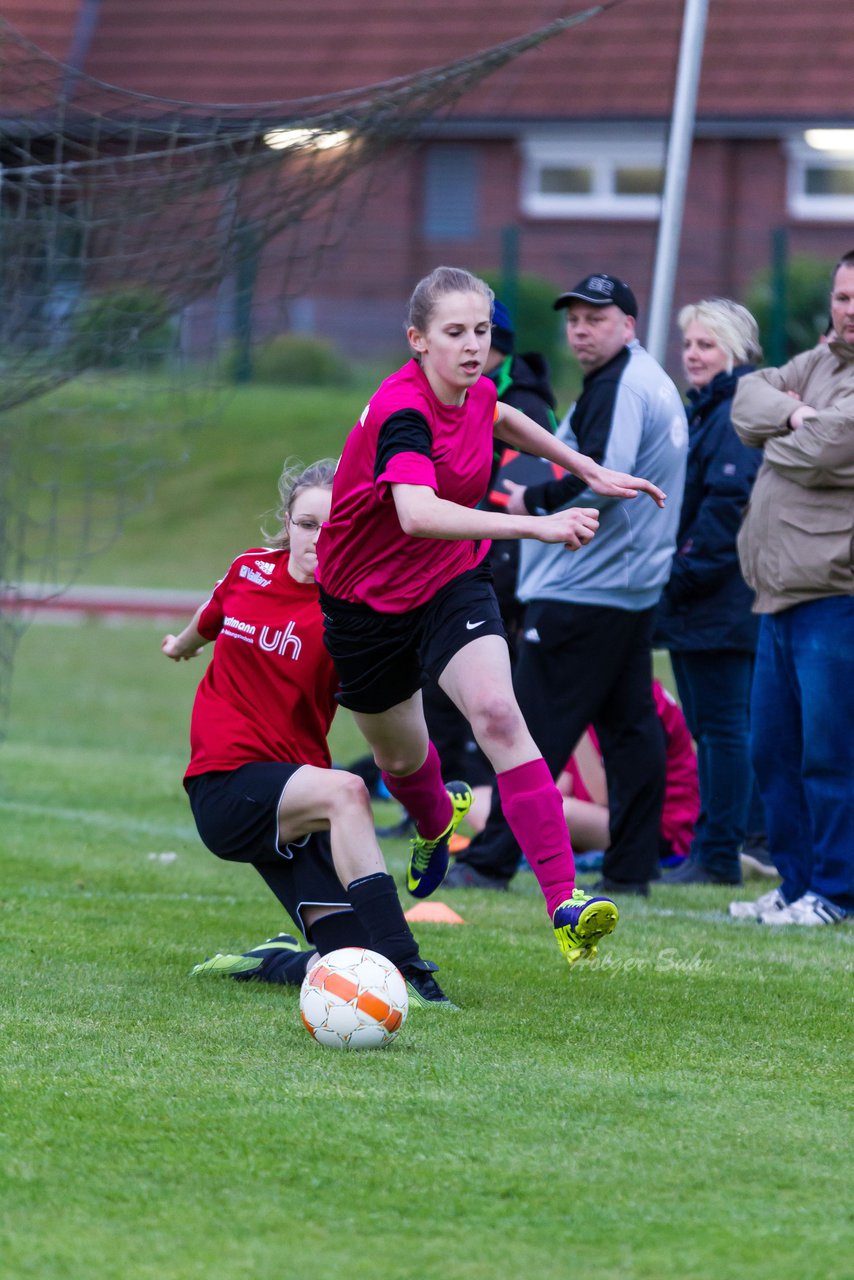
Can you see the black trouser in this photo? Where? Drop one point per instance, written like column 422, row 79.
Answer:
column 590, row 665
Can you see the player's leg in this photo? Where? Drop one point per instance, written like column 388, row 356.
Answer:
column 478, row 678
column 412, row 772
column 589, row 824
column 465, row 650
column 318, row 800
column 376, row 657
column 235, row 815
column 460, row 756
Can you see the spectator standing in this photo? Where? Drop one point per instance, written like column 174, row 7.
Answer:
column 796, row 547
column 585, row 652
column 704, row 618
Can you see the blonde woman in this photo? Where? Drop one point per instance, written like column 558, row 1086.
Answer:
column 705, row 617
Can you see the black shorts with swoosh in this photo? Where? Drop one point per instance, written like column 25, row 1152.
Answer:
column 382, row 659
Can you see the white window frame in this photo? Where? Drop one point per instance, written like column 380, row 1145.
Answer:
column 809, row 207
column 603, row 156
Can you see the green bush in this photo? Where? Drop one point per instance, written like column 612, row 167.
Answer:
column 806, row 304
column 301, row 360
column 122, row 328
column 538, row 326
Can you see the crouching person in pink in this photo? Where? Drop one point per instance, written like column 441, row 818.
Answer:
column 585, row 790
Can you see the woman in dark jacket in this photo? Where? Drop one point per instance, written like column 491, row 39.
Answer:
column 705, row 617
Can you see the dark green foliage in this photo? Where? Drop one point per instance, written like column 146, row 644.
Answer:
column 538, row 326
column 122, row 329
column 298, row 359
column 805, row 305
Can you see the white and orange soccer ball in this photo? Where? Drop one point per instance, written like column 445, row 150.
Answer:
column 354, row 998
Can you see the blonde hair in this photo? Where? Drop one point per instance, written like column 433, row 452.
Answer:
column 731, row 325
column 440, row 281
column 293, row 481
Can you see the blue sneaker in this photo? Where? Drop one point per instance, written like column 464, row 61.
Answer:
column 428, row 861
column 422, row 988
column 249, row 965
column 580, row 922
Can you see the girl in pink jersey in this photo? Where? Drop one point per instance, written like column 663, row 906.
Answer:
column 404, row 590
column 260, row 779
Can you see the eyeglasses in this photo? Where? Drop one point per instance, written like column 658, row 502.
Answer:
column 306, row 526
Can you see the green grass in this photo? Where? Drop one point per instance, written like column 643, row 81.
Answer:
column 675, row 1112
column 212, row 499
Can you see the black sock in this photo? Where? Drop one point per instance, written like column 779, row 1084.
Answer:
column 377, row 906
column 338, row 929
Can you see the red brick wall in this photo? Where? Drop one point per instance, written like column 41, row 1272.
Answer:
column 736, row 197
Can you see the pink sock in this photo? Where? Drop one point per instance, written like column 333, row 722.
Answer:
column 423, row 795
column 533, row 808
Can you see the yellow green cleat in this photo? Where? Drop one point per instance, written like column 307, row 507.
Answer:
column 580, row 922
column 428, row 861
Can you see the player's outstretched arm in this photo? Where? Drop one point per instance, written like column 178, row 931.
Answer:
column 521, row 432
column 423, row 514
column 187, row 644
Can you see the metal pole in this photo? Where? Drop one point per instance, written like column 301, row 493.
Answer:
column 676, row 175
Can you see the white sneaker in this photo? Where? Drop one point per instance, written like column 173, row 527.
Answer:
column 768, row 904
column 809, row 909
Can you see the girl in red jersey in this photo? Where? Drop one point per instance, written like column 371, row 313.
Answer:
column 404, row 590
column 260, row 779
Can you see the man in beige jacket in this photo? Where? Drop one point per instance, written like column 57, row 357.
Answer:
column 796, row 545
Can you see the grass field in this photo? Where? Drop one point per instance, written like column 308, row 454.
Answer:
column 675, row 1111
column 679, row 1110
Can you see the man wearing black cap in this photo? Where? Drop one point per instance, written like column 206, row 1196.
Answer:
column 585, row 652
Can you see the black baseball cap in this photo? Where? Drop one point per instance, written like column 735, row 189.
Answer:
column 601, row 290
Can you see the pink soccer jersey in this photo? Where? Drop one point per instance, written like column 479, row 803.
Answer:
column 363, row 554
column 269, row 691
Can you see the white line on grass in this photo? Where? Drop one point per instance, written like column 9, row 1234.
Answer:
column 107, row 821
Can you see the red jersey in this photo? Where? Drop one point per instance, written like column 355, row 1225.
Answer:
column 363, row 554
column 269, row 690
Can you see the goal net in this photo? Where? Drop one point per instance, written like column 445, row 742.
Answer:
column 120, row 215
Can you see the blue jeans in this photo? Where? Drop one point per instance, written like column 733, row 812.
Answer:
column 714, row 689
column 802, row 718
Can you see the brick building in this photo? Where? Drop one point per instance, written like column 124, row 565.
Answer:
column 558, row 155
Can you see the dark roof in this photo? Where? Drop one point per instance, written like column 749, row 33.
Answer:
column 787, row 60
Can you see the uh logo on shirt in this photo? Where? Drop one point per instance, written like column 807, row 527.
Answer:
column 281, row 640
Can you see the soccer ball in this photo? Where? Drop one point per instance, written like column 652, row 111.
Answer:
column 354, row 998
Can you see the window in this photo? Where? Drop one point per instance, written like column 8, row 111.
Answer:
column 568, row 178
column 450, row 193
column 820, row 182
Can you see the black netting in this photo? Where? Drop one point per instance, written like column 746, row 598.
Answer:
column 120, row 213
